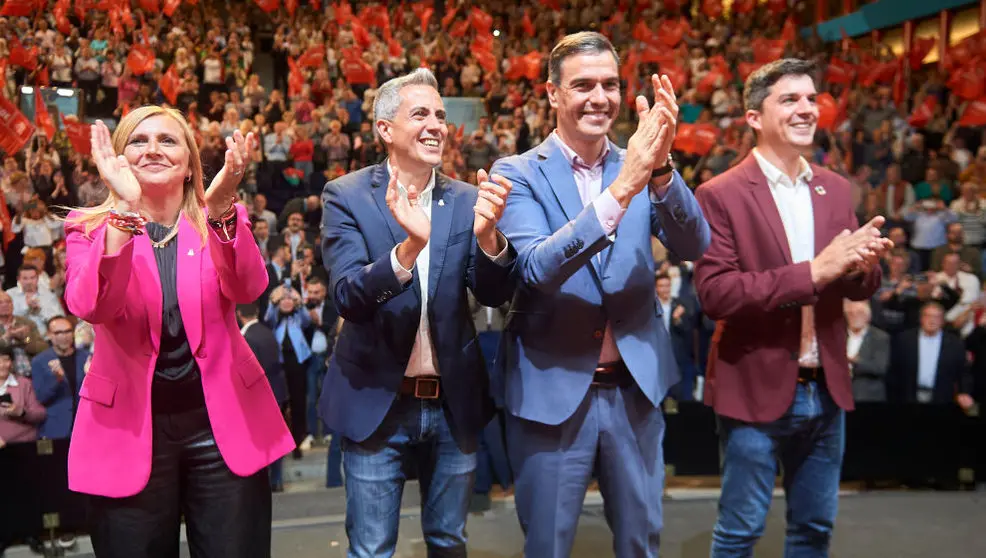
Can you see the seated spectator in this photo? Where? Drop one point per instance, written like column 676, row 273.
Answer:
column 57, row 374
column 20, row 411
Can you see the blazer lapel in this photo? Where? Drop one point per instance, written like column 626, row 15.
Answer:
column 821, row 209
column 558, row 172
column 149, row 282
column 442, row 210
column 611, row 169
column 379, row 180
column 768, row 208
column 189, row 282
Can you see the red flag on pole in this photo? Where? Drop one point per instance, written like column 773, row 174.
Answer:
column 42, row 119
column 15, row 129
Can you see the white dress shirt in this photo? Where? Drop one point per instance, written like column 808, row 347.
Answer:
column 929, row 349
column 10, row 382
column 854, row 341
column 666, row 313
column 969, row 286
column 247, row 325
column 793, row 200
column 423, row 362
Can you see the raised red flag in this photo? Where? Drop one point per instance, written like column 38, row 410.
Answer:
column 974, row 113
column 15, row 128
column 697, row 139
column 78, row 135
column 169, row 84
column 712, row 8
column 922, row 113
column 42, row 119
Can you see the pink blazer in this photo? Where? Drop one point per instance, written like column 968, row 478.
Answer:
column 110, row 451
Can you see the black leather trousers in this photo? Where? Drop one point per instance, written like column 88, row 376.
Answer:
column 225, row 515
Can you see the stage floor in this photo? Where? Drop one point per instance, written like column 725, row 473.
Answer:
column 870, row 525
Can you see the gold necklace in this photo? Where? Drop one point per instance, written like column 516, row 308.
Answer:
column 172, row 233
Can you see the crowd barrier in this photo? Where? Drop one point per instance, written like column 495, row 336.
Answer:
column 884, row 442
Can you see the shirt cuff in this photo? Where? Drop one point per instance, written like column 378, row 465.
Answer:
column 608, row 211
column 503, row 258
column 403, row 275
column 657, row 193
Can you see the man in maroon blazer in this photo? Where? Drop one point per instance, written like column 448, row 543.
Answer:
column 781, row 261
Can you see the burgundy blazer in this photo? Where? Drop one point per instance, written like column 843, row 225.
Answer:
column 747, row 282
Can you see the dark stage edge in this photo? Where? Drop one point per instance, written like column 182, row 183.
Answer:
column 870, row 525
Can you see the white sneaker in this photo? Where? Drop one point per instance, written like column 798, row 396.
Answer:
column 306, row 444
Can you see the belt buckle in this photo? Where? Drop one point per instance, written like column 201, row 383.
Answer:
column 426, row 388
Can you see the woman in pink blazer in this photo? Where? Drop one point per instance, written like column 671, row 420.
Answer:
column 176, row 418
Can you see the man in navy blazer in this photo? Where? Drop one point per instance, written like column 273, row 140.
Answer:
column 406, row 386
column 57, row 373
column 585, row 358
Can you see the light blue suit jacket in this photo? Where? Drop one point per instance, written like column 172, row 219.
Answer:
column 552, row 340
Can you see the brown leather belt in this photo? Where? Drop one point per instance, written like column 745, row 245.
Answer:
column 611, row 375
column 806, row 374
column 422, row 387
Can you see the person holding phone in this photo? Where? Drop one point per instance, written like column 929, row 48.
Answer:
column 20, row 411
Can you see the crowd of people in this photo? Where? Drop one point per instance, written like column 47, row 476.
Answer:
column 905, row 137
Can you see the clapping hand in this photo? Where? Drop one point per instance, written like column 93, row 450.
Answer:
column 409, row 214
column 492, row 200
column 113, row 169
column 649, row 146
column 224, row 185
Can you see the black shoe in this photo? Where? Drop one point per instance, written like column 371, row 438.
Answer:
column 296, row 454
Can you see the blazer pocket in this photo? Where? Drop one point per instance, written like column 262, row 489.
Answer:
column 98, row 389
column 250, row 371
column 459, row 237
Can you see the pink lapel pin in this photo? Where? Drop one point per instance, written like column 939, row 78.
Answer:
column 820, row 190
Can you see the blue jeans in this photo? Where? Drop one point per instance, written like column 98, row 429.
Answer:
column 414, row 435
column 333, row 467
column 315, row 375
column 808, row 443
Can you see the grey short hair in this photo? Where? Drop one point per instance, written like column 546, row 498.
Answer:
column 583, row 42
column 388, row 98
column 757, row 87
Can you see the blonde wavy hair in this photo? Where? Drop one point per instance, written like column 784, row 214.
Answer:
column 193, row 199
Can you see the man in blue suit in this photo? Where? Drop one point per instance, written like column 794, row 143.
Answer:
column 406, row 386
column 585, row 358
column 57, row 373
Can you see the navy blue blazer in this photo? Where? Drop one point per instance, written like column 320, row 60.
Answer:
column 55, row 395
column 381, row 316
column 566, row 293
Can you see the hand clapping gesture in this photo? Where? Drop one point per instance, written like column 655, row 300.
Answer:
column 650, row 145
column 408, row 211
column 492, row 200
column 223, row 187
column 113, row 169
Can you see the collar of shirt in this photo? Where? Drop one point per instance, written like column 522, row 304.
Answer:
column 247, row 325
column 10, row 382
column 425, row 194
column 573, row 157
column 776, row 177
